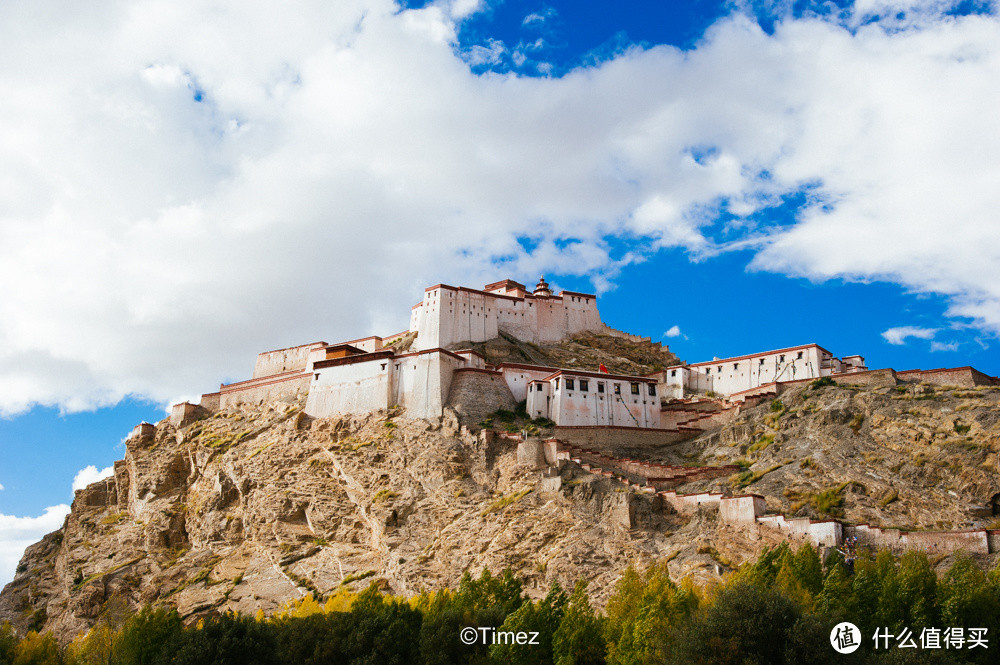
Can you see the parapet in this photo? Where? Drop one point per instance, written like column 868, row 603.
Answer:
column 141, row 431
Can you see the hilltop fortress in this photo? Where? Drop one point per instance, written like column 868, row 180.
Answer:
column 431, row 367
column 604, row 423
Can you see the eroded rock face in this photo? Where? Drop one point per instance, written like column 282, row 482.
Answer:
column 254, row 507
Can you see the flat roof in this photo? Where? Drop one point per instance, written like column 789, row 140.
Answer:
column 755, row 355
column 596, row 375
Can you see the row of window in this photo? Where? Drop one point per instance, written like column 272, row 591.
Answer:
column 585, row 387
column 781, row 359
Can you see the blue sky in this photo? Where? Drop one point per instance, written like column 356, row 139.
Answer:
column 729, row 177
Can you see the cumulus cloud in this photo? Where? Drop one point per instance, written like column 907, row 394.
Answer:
column 673, row 331
column 16, row 533
column 90, row 474
column 216, row 180
column 900, row 334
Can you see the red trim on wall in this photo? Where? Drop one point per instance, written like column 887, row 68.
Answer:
column 289, row 348
column 350, row 360
column 757, row 355
column 263, row 381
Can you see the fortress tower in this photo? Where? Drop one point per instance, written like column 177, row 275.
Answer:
column 448, row 314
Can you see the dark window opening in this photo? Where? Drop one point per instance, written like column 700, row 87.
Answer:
column 584, row 386
column 618, row 389
column 635, row 388
column 570, row 383
column 600, row 386
column 652, row 390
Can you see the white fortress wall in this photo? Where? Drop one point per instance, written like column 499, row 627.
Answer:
column 357, row 384
column 732, row 375
column 518, row 376
column 583, row 399
column 279, row 361
column 448, row 315
column 423, row 380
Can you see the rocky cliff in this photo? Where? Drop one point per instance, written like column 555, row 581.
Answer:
column 253, row 507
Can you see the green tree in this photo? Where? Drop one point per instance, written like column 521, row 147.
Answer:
column 144, row 638
column 836, row 599
column 543, row 618
column 578, row 640
column 229, row 639
column 483, row 602
column 968, row 598
column 640, row 613
column 917, row 589
column 8, row 643
column 808, row 569
column 745, row 623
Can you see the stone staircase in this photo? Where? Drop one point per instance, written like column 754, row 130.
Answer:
column 648, row 476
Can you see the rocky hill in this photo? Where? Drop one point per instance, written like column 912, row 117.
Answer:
column 918, row 456
column 585, row 351
column 253, row 507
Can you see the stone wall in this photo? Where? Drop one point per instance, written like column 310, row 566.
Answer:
column 185, row 413
column 282, row 361
column 963, row 377
column 933, row 542
column 820, row 533
column 742, row 509
column 619, row 441
column 264, row 389
column 875, row 378
column 476, row 393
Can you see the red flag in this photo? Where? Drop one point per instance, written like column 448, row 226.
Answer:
column 602, row 368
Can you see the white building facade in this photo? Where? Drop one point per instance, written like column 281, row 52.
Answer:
column 572, row 398
column 728, row 376
column 448, row 314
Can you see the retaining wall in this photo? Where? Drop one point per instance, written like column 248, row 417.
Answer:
column 939, row 542
column 621, row 441
column 476, row 393
column 963, row 377
column 269, row 388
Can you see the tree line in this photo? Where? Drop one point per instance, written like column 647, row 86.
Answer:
column 779, row 608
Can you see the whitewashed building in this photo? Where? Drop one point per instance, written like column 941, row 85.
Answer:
column 573, row 398
column 728, row 376
column 451, row 314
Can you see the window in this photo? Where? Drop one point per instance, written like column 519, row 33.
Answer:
column 557, row 384
column 652, row 390
column 569, row 384
column 736, row 365
column 635, row 388
column 673, row 372
column 718, row 370
column 538, row 388
column 618, row 389
column 708, row 370
column 799, row 355
column 761, row 361
column 600, row 386
column 781, row 358
column 584, row 385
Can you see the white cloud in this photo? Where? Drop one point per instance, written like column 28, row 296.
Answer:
column 944, row 346
column 218, row 180
column 900, row 334
column 1, row 488
column 90, row 474
column 674, row 331
column 16, row 533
